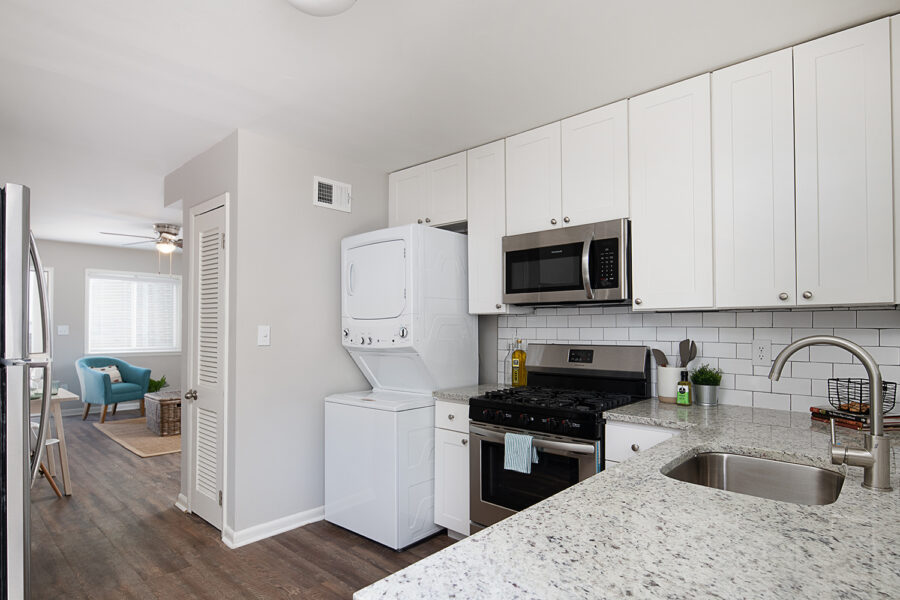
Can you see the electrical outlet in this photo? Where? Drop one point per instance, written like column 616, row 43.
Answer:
column 761, row 352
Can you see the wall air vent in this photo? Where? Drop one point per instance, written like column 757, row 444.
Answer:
column 331, row 194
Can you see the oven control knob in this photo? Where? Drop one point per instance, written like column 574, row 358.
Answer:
column 564, row 426
column 526, row 419
column 486, row 414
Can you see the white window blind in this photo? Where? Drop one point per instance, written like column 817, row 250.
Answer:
column 133, row 312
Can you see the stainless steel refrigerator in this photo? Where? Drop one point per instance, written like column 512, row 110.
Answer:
column 25, row 349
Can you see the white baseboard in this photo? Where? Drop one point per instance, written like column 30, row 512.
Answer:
column 181, row 503
column 236, row 539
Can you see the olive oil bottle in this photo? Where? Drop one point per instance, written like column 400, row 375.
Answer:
column 519, row 372
column 684, row 389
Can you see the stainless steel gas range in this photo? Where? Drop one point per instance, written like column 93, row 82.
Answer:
column 562, row 409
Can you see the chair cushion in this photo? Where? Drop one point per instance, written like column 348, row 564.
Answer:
column 113, row 371
column 126, row 391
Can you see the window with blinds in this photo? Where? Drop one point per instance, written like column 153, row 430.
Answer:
column 132, row 312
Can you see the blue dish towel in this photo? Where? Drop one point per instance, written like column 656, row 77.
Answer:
column 519, row 454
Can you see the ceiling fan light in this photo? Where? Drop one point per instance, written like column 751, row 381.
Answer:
column 322, row 8
column 165, row 247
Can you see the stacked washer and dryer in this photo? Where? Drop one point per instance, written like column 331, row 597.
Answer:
column 404, row 314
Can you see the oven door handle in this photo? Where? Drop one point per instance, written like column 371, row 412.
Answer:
column 586, row 266
column 536, row 442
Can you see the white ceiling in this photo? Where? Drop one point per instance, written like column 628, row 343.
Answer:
column 103, row 98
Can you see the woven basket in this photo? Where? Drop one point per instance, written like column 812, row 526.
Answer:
column 163, row 413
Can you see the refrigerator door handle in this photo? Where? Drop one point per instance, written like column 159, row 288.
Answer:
column 45, row 365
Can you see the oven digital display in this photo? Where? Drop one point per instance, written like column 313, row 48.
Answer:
column 581, row 355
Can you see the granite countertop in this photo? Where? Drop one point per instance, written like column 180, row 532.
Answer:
column 630, row 531
column 462, row 394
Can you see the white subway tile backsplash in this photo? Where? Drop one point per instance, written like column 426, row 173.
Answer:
column 792, row 319
column 878, row 318
column 863, row 337
column 719, row 319
column 754, row 319
column 687, row 319
column 724, row 341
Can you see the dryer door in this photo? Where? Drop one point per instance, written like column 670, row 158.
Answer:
column 374, row 280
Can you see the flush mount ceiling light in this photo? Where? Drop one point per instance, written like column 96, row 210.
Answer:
column 322, row 8
column 165, row 246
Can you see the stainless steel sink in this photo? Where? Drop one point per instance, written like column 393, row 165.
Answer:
column 761, row 477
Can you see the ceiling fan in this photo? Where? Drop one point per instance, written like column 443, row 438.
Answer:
column 166, row 238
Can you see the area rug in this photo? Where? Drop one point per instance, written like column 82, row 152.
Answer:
column 132, row 434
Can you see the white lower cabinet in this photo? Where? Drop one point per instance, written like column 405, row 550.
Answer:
column 451, row 469
column 624, row 440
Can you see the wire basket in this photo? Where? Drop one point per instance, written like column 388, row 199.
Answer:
column 852, row 395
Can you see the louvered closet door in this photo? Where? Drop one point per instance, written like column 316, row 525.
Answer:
column 207, row 373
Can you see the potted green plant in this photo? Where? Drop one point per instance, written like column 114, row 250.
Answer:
column 706, row 382
column 157, row 384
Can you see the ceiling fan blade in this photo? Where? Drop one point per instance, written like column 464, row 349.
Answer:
column 138, row 243
column 147, row 237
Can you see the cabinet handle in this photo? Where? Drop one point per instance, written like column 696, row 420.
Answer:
column 783, row 296
column 638, row 301
column 499, row 306
column 807, row 294
column 427, row 220
column 419, row 221
column 635, row 447
column 553, row 221
column 465, row 442
column 566, row 219
column 451, row 416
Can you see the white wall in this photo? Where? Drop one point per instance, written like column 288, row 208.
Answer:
column 69, row 262
column 724, row 341
column 288, row 269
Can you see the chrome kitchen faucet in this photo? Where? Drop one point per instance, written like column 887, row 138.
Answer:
column 875, row 458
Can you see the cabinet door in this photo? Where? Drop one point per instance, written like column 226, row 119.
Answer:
column 595, row 165
column 671, row 203
column 451, row 480
column 446, row 190
column 842, row 97
column 487, row 226
column 533, row 192
column 407, row 193
column 624, row 440
column 753, row 182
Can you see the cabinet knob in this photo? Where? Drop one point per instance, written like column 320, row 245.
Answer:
column 635, row 447
column 419, row 221
column 427, row 220
column 553, row 221
column 783, row 296
column 465, row 442
column 566, row 219
column 807, row 294
column 451, row 416
column 499, row 306
column 638, row 301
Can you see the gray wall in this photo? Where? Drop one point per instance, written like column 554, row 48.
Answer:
column 69, row 262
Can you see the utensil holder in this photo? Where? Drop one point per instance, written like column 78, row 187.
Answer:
column 667, row 379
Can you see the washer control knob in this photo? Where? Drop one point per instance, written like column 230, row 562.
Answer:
column 346, row 333
column 369, row 341
column 404, row 332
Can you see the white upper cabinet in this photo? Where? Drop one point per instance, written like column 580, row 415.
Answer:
column 433, row 193
column 487, row 226
column 842, row 97
column 753, row 182
column 671, row 197
column 595, row 165
column 533, row 187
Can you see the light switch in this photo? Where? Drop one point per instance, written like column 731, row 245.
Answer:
column 263, row 335
column 62, row 330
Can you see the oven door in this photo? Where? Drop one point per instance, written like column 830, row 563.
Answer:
column 496, row 493
column 575, row 264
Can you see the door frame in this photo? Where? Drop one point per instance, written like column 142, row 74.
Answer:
column 185, row 498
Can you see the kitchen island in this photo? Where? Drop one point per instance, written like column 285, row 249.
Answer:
column 630, row 531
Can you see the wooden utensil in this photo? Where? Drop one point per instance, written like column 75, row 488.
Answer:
column 684, row 351
column 661, row 359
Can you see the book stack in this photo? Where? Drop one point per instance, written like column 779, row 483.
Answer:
column 856, row 421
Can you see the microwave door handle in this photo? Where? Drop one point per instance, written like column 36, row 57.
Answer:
column 47, row 349
column 585, row 265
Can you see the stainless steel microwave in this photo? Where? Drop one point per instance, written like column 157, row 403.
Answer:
column 581, row 264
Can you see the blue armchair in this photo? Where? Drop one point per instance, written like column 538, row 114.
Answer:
column 97, row 388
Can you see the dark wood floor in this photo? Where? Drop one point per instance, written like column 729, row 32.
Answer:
column 119, row 536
